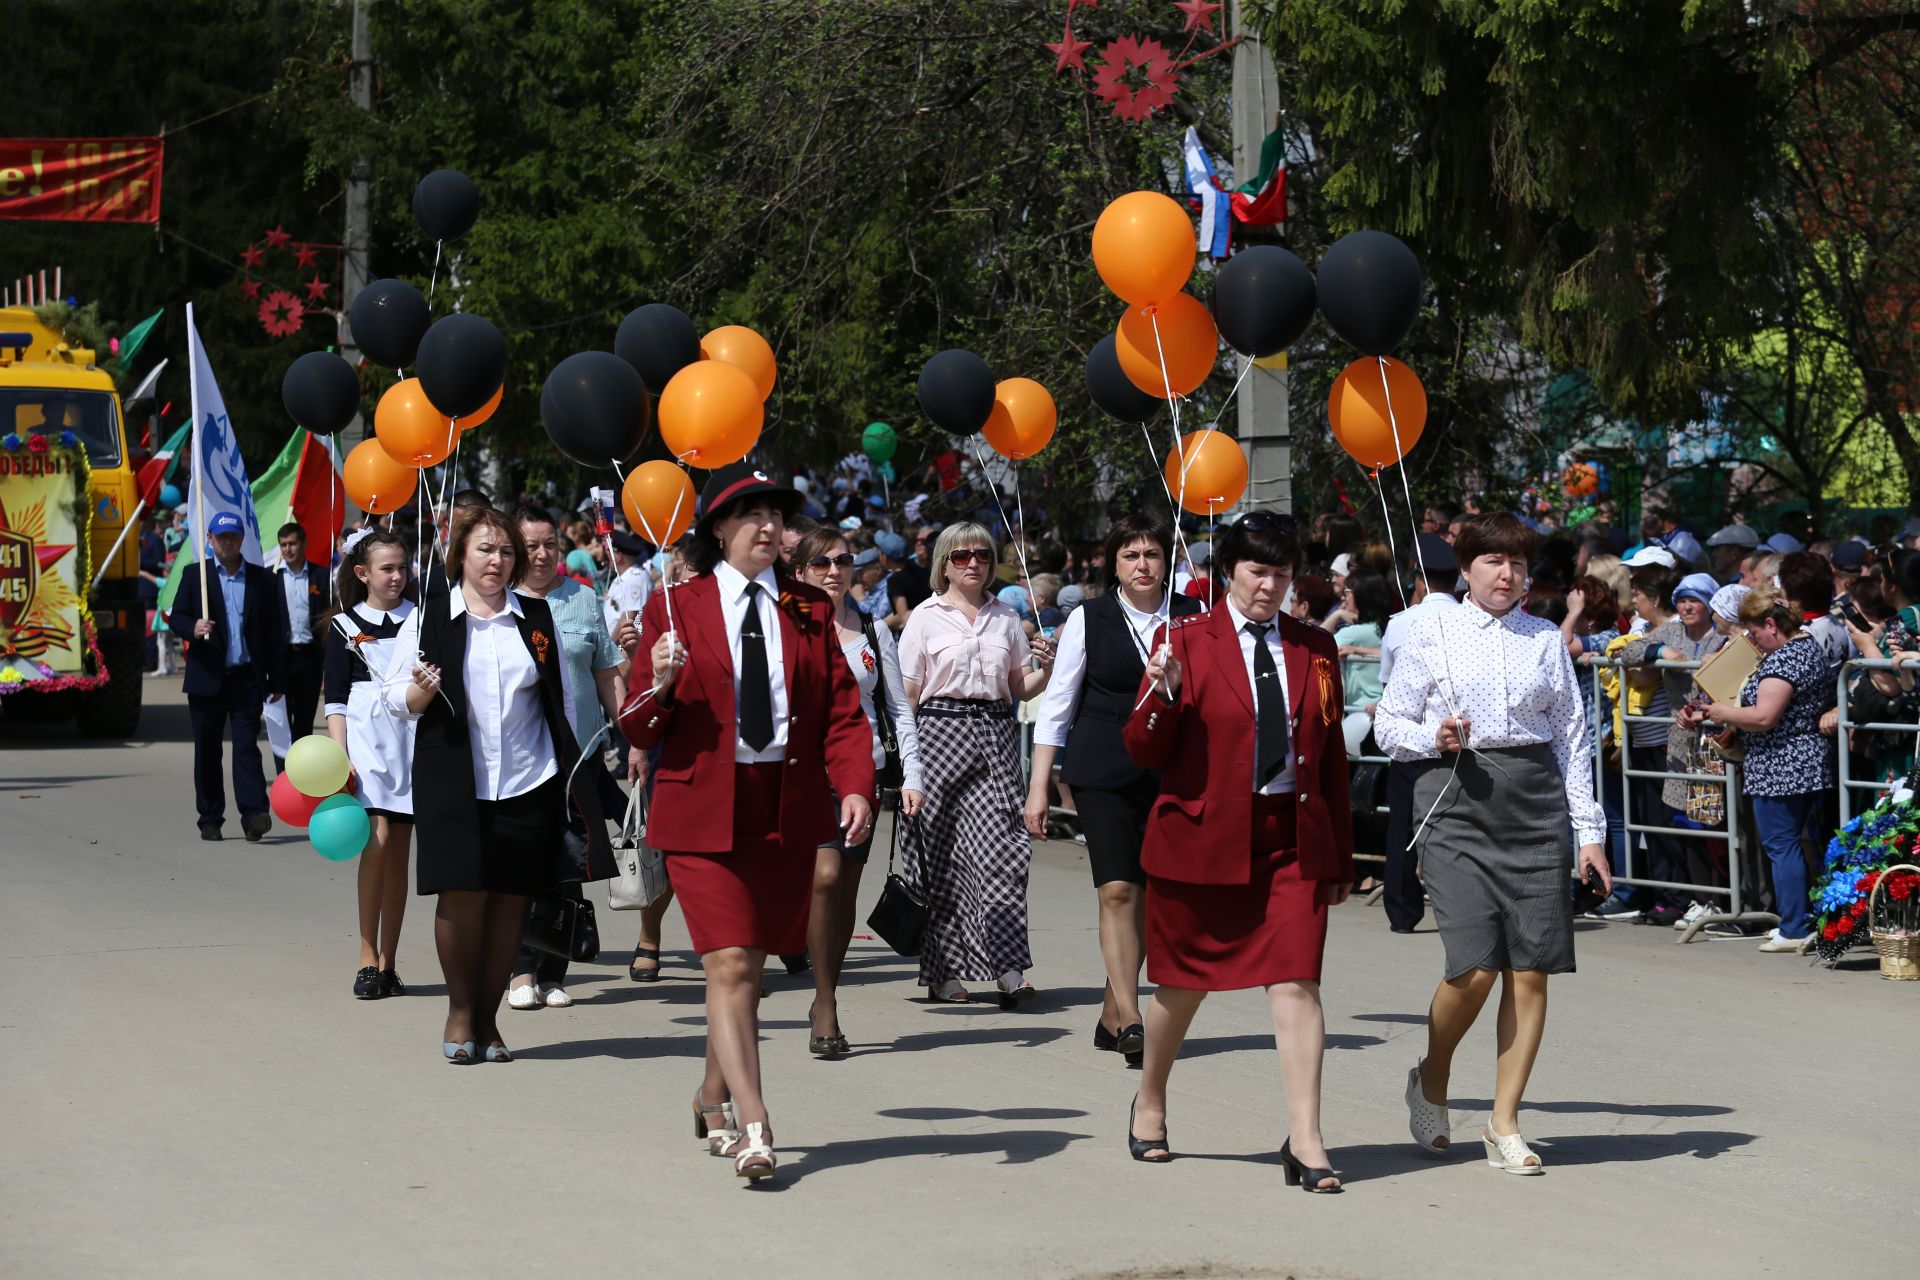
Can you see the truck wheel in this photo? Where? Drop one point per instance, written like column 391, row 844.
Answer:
column 113, row 710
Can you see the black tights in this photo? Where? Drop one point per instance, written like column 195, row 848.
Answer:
column 478, row 936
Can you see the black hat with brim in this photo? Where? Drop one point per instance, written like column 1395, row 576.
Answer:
column 742, row 482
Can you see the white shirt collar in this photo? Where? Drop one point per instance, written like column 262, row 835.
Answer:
column 457, row 603
column 733, row 583
column 280, row 566
column 1154, row 615
column 1479, row 617
column 1240, row 619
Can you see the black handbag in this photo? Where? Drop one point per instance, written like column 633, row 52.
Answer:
column 562, row 926
column 900, row 917
column 890, row 775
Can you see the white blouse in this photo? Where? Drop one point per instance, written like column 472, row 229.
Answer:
column 1511, row 677
column 506, row 729
column 867, row 666
column 1070, row 668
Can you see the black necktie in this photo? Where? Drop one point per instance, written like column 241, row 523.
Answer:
column 756, row 692
column 1269, row 710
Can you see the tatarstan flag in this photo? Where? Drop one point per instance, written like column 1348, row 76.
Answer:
column 303, row 487
column 1263, row 201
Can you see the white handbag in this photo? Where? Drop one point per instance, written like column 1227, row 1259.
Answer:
column 641, row 876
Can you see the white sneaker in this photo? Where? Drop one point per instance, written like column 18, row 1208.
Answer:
column 1694, row 912
column 523, row 997
column 1776, row 943
column 555, row 996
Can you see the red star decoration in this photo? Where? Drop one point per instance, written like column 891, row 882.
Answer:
column 48, row 556
column 253, row 255
column 249, row 289
column 281, row 314
column 1069, row 52
column 317, row 291
column 1147, row 56
column 278, row 238
column 303, row 256
column 1199, row 13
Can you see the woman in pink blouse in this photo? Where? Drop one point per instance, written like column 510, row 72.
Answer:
column 965, row 658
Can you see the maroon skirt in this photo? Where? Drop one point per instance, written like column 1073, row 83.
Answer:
column 758, row 894
column 1227, row 937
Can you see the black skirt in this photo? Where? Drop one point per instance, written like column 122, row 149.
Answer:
column 518, row 850
column 1115, row 825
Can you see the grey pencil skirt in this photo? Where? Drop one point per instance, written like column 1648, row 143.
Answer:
column 1497, row 859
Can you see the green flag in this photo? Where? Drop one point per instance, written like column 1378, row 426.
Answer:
column 136, row 338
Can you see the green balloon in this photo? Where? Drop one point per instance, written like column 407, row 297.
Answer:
column 879, row 441
column 339, row 828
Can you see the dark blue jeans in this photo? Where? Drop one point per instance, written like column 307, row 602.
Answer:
column 1779, row 821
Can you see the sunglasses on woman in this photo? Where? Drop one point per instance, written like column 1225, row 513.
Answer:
column 844, row 561
column 1256, row 521
column 970, row 555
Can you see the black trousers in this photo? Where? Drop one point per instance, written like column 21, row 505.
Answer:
column 303, row 688
column 543, row 966
column 236, row 707
column 1405, row 900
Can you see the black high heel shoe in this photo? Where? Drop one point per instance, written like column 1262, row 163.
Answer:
column 1138, row 1147
column 1306, row 1177
column 635, row 972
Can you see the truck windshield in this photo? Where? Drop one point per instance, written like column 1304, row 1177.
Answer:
column 90, row 415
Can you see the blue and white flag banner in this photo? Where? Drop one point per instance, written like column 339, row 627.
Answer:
column 219, row 472
column 1216, row 219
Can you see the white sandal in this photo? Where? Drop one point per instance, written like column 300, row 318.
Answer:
column 723, row 1140
column 525, row 997
column 1426, row 1121
column 756, row 1159
column 1510, row 1153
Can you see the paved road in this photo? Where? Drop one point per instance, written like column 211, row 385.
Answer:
column 193, row 1093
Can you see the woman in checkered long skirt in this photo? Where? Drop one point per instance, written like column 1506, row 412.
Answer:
column 965, row 658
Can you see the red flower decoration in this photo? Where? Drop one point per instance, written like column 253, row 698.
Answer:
column 1901, row 888
column 1860, row 907
column 1156, row 67
column 540, row 643
column 37, row 444
column 281, row 314
column 1831, row 932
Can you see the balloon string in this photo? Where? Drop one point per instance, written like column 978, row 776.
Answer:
column 434, row 279
column 1400, row 465
column 1230, row 395
column 994, row 489
column 1386, row 518
column 1180, row 544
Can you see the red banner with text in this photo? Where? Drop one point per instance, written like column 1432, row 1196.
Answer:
column 80, row 179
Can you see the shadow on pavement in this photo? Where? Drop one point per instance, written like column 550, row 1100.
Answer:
column 965, row 1113
column 1015, row 1146
column 1391, row 1159
column 628, row 1048
column 1207, row 1046
column 1031, row 1038
column 1604, row 1108
column 1410, row 1019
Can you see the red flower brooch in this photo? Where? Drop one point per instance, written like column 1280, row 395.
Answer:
column 540, row 645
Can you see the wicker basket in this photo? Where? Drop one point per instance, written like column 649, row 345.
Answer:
column 1896, row 930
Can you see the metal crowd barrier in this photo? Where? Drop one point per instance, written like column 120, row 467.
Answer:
column 1848, row 783
column 1737, row 911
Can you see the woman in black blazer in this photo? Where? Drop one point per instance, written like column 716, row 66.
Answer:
column 493, row 764
column 1102, row 654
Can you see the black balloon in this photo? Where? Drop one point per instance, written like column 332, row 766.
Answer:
column 1113, row 390
column 388, row 319
column 659, row 341
column 595, row 408
column 1371, row 290
column 956, row 391
column 462, row 362
column 1262, row 300
column 446, row 203
column 321, row 392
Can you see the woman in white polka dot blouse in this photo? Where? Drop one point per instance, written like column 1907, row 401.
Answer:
column 1485, row 699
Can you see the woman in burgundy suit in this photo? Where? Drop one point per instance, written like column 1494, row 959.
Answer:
column 1251, row 839
column 758, row 721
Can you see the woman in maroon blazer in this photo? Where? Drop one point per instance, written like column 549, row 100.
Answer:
column 1251, row 839
column 758, row 721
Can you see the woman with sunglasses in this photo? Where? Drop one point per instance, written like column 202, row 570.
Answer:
column 823, row 559
column 758, row 722
column 965, row 659
column 1251, row 839
column 1103, row 652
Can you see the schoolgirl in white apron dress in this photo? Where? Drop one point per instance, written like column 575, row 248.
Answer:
column 359, row 649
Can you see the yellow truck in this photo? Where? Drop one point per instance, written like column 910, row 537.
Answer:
column 60, row 423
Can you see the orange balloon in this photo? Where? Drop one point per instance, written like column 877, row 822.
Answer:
column 1187, row 341
column 1216, row 472
column 1023, row 419
column 485, row 411
column 1357, row 410
column 658, row 498
column 1144, row 247
column 410, row 429
column 376, row 483
column 710, row 414
column 737, row 345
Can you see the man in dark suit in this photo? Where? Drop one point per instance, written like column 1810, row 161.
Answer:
column 302, row 588
column 236, row 663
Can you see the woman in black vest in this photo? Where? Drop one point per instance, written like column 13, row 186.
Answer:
column 1102, row 657
column 492, row 763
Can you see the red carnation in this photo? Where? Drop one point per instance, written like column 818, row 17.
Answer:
column 1901, row 887
column 1831, row 932
column 1860, row 907
column 36, row 444
column 1868, row 881
column 1845, row 924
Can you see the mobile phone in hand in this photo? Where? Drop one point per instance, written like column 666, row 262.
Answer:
column 1590, row 893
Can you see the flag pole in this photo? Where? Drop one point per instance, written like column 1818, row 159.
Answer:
column 199, row 467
